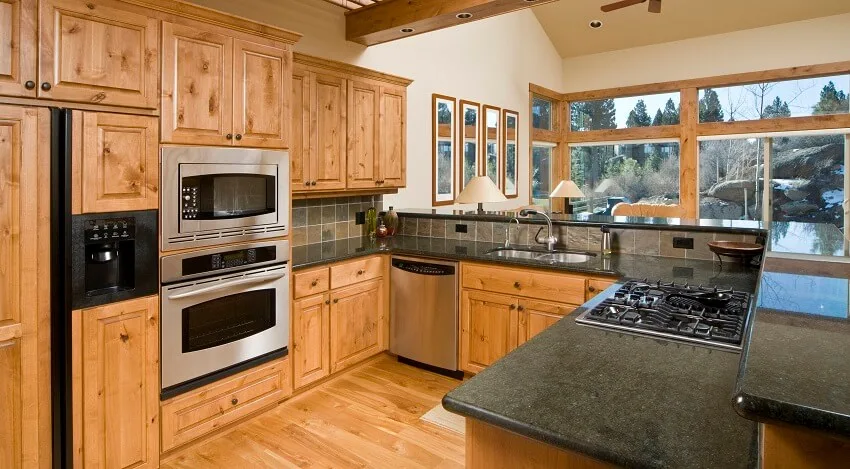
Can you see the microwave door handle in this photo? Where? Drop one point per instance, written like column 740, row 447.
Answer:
column 224, row 286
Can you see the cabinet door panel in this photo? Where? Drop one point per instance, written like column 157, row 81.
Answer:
column 197, row 86
column 363, row 138
column 17, row 47
column 261, row 95
column 98, row 51
column 117, row 389
column 299, row 148
column 311, row 339
column 488, row 328
column 119, row 164
column 327, row 132
column 393, row 161
column 536, row 316
column 357, row 323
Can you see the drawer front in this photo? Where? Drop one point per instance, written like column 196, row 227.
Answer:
column 311, row 282
column 596, row 286
column 357, row 271
column 560, row 288
column 199, row 412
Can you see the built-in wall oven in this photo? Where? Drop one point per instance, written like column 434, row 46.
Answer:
column 223, row 310
column 214, row 195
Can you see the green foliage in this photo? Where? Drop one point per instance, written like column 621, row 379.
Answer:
column 444, row 116
column 777, row 108
column 541, row 113
column 670, row 116
column 470, row 117
column 658, row 119
column 593, row 115
column 638, row 117
column 832, row 101
column 710, row 109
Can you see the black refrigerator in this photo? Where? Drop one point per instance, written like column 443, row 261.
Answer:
column 95, row 259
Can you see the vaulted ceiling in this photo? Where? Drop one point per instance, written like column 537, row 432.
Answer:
column 567, row 21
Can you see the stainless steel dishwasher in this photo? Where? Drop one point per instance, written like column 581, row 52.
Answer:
column 423, row 313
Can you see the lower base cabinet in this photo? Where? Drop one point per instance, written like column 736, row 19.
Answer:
column 199, row 412
column 357, row 323
column 488, row 328
column 311, row 339
column 116, row 385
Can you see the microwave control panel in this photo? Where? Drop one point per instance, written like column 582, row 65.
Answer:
column 228, row 260
column 107, row 230
column 189, row 202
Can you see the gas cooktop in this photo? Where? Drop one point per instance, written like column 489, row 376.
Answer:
column 704, row 315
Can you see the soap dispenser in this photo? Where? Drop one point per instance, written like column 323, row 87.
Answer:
column 606, row 241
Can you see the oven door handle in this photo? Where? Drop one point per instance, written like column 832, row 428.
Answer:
column 224, row 286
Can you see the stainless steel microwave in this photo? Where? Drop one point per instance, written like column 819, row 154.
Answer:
column 213, row 195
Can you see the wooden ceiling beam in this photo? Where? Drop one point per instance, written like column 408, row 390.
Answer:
column 384, row 21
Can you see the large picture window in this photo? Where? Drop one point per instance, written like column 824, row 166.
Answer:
column 541, row 172
column 620, row 113
column 443, row 115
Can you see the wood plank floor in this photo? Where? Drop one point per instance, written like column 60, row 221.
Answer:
column 365, row 418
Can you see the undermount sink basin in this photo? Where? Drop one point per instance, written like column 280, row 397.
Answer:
column 542, row 256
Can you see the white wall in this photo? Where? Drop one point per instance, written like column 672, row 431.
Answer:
column 820, row 40
column 489, row 61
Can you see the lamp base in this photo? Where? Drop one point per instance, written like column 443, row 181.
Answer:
column 568, row 208
column 480, row 207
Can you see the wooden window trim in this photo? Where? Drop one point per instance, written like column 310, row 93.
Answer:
column 482, row 165
column 459, row 185
column 434, row 136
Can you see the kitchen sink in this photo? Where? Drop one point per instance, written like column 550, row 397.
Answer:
column 557, row 257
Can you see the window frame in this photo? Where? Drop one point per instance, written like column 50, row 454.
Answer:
column 552, row 137
column 500, row 158
column 462, row 105
column 505, row 114
column 435, row 139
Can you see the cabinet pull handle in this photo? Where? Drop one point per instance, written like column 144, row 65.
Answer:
column 327, row 302
column 307, row 183
column 361, row 272
column 238, row 136
column 520, row 308
column 512, row 307
column 591, row 289
column 30, row 85
column 124, row 337
column 46, row 86
column 314, row 283
column 313, row 183
column 336, row 300
column 516, row 284
column 234, row 401
column 229, row 136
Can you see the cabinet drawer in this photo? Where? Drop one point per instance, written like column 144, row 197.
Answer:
column 199, row 412
column 356, row 271
column 596, row 286
column 560, row 288
column 311, row 282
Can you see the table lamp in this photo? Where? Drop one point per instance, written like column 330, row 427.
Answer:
column 480, row 190
column 568, row 190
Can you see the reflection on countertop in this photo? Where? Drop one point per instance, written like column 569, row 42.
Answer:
column 819, row 239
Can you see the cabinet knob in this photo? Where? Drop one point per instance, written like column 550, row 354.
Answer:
column 512, row 307
column 314, row 283
column 520, row 308
column 327, row 302
column 313, row 183
column 361, row 272
column 591, row 289
column 516, row 284
column 238, row 136
column 46, row 86
column 234, row 401
column 336, row 300
column 307, row 183
column 30, row 85
column 229, row 136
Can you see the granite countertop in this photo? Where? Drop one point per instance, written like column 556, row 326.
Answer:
column 794, row 367
column 630, row 400
column 619, row 265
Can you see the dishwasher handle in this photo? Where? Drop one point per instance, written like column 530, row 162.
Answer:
column 423, row 268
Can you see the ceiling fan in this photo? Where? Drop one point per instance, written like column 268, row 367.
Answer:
column 654, row 5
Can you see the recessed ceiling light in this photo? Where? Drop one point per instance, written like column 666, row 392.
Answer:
column 595, row 24
column 407, row 30
column 464, row 16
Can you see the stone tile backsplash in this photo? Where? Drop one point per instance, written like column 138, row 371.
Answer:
column 628, row 241
column 329, row 219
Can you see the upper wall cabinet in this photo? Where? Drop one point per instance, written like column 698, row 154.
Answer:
column 18, row 20
column 218, row 89
column 348, row 127
column 97, row 52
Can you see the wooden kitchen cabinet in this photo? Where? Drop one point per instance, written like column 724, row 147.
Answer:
column 311, row 339
column 393, row 137
column 115, row 384
column 18, row 44
column 98, row 52
column 25, row 438
column 299, row 148
column 357, row 323
column 596, row 286
column 535, row 316
column 218, row 89
column 488, row 328
column 363, row 135
column 116, row 163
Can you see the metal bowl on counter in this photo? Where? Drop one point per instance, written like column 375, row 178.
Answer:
column 745, row 252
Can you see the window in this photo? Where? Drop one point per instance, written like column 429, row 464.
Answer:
column 492, row 159
column 625, row 172
column 770, row 100
column 470, row 127
column 541, row 113
column 444, row 138
column 731, row 176
column 511, row 139
column 541, row 171
column 619, row 113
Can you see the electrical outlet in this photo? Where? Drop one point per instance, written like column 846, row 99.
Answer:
column 460, row 228
column 360, row 218
column 683, row 243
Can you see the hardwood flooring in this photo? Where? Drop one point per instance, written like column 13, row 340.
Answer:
column 365, row 418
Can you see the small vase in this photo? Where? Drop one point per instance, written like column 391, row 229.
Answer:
column 391, row 221
column 371, row 222
column 382, row 230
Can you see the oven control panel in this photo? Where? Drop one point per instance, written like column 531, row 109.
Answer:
column 113, row 229
column 189, row 202
column 228, row 260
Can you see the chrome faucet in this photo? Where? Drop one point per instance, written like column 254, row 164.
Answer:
column 550, row 240
column 508, row 231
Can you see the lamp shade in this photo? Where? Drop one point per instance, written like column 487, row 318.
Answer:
column 567, row 189
column 479, row 190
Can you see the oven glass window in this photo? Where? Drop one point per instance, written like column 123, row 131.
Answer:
column 224, row 196
column 227, row 319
